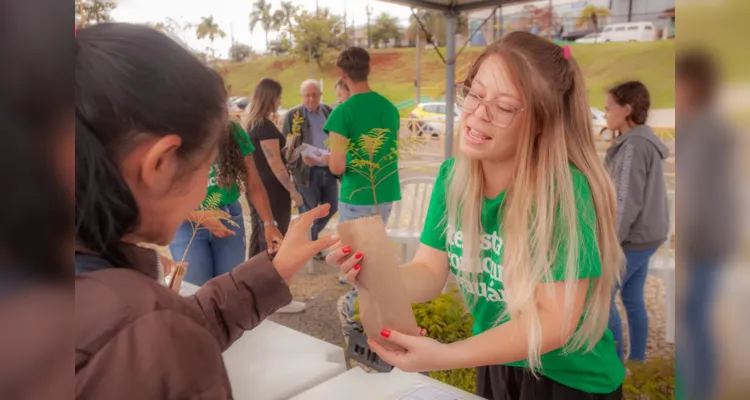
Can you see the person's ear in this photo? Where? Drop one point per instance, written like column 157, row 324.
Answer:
column 628, row 111
column 160, row 164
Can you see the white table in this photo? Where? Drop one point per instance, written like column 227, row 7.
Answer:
column 274, row 362
column 358, row 384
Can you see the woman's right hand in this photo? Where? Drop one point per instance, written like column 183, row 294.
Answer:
column 297, row 249
column 341, row 256
column 297, row 199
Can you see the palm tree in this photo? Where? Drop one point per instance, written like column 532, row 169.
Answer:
column 211, row 30
column 262, row 14
column 289, row 10
column 592, row 15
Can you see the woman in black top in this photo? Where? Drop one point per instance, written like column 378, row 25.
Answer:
column 270, row 162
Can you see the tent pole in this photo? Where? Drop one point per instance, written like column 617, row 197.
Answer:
column 450, row 81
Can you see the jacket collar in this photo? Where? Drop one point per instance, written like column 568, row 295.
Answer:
column 137, row 258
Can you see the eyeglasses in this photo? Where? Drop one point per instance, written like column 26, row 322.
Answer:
column 498, row 113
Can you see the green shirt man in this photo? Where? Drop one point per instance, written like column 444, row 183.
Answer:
column 597, row 371
column 370, row 123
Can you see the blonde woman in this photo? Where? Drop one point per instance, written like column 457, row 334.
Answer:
column 525, row 218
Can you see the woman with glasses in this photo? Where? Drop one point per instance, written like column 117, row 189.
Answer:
column 524, row 217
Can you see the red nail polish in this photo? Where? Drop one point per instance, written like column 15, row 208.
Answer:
column 358, row 255
column 356, row 267
column 347, row 250
column 386, row 333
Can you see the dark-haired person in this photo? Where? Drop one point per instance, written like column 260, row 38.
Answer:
column 148, row 119
column 708, row 228
column 271, row 165
column 635, row 162
column 364, row 113
column 313, row 180
column 220, row 245
column 342, row 92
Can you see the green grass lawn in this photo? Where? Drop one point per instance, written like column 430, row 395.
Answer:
column 394, row 71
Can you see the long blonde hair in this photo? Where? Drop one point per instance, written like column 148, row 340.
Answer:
column 262, row 103
column 539, row 215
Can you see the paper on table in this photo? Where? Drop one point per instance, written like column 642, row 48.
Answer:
column 313, row 152
column 430, row 393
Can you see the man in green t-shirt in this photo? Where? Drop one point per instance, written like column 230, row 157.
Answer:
column 364, row 141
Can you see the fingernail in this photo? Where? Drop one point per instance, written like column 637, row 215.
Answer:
column 347, row 250
column 356, row 267
column 386, row 333
column 358, row 255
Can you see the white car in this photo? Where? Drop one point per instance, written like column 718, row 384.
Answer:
column 629, row 32
column 591, row 38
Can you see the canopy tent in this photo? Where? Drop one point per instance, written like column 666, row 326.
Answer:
column 451, row 8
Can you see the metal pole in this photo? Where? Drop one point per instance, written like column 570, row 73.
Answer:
column 630, row 11
column 417, row 81
column 450, row 81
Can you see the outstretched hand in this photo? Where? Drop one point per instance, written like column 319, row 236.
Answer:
column 297, row 249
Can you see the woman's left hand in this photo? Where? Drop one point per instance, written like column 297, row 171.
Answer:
column 273, row 238
column 420, row 353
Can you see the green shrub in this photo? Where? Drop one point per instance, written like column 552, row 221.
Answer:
column 446, row 320
column 653, row 380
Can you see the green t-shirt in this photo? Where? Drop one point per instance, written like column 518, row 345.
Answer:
column 598, row 371
column 231, row 194
column 364, row 119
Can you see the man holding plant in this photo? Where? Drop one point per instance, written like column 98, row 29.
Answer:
column 363, row 140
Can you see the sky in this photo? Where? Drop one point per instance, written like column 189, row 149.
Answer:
column 233, row 16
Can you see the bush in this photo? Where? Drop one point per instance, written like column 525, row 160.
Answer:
column 446, row 320
column 653, row 380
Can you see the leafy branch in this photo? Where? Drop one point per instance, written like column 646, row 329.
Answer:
column 209, row 210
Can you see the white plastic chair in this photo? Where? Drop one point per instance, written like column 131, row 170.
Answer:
column 408, row 215
column 663, row 264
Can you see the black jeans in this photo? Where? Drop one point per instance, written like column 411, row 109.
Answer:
column 281, row 208
column 500, row 382
column 322, row 188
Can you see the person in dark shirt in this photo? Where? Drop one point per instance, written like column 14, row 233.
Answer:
column 271, row 165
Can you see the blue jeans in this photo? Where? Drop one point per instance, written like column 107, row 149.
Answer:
column 633, row 282
column 348, row 212
column 322, row 188
column 695, row 345
column 209, row 256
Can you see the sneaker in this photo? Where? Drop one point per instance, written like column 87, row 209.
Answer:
column 293, row 307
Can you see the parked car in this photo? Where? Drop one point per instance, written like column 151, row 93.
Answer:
column 431, row 118
column 629, row 32
column 591, row 38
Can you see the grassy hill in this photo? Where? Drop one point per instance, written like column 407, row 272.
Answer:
column 394, row 71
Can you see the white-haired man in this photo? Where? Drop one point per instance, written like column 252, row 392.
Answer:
column 314, row 181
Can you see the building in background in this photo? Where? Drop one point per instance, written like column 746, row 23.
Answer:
column 564, row 13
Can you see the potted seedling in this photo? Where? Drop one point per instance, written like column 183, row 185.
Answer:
column 382, row 296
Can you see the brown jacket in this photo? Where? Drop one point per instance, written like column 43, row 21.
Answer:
column 136, row 339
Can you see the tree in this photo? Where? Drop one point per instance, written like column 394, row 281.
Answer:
column 94, row 11
column 434, row 22
column 591, row 16
column 315, row 34
column 386, row 29
column 239, row 52
column 262, row 14
column 211, row 30
column 173, row 26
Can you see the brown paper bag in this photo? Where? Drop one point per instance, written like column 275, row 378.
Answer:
column 383, row 302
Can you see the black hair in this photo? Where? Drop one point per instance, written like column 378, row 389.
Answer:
column 355, row 62
column 698, row 68
column 133, row 80
column 35, row 99
column 635, row 95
